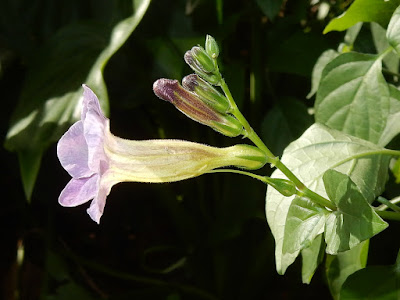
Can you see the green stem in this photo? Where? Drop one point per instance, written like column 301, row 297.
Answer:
column 273, row 160
column 388, row 204
column 388, row 215
column 255, row 176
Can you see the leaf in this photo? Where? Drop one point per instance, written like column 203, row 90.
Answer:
column 391, row 60
column 325, row 58
column 378, row 11
column 29, row 162
column 354, row 220
column 311, row 258
column 309, row 157
column 340, row 266
column 393, row 31
column 396, row 170
column 77, row 54
column 289, row 117
column 270, row 8
column 375, row 282
column 304, row 222
column 353, row 96
column 392, row 127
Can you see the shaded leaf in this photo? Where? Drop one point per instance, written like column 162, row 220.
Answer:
column 364, row 11
column 77, row 54
column 391, row 60
column 270, row 8
column 311, row 258
column 317, row 150
column 290, row 118
column 375, row 282
column 353, row 96
column 354, row 220
column 339, row 267
column 392, row 127
column 325, row 58
column 393, row 31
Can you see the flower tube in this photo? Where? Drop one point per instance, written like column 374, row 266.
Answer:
column 97, row 160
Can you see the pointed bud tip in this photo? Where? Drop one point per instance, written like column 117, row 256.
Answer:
column 189, row 82
column 164, row 89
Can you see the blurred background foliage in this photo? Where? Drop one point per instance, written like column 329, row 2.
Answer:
column 204, row 238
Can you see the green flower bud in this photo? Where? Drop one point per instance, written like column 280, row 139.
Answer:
column 212, row 47
column 286, row 187
column 200, row 69
column 203, row 59
column 206, row 92
column 193, row 107
column 247, row 157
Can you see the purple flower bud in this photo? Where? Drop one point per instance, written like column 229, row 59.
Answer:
column 196, row 109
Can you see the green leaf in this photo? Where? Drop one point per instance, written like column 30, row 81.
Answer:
column 29, row 163
column 375, row 282
column 339, row 267
column 353, row 96
column 396, row 170
column 392, row 127
column 289, row 117
column 304, row 222
column 378, row 11
column 311, row 258
column 354, row 220
column 309, row 157
column 270, row 8
column 77, row 54
column 393, row 31
column 391, row 60
column 325, row 58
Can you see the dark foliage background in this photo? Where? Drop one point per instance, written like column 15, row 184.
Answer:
column 204, row 238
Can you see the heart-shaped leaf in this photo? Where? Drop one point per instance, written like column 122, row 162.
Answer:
column 353, row 96
column 354, row 220
column 309, row 157
column 378, row 11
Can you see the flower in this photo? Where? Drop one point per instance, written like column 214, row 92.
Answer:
column 97, row 160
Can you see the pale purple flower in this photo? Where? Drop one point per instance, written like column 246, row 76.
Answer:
column 81, row 153
column 97, row 160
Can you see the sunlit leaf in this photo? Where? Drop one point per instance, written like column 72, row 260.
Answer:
column 378, row 11
column 304, row 222
column 354, row 220
column 393, row 31
column 340, row 266
column 353, row 96
column 317, row 150
column 311, row 258
column 77, row 54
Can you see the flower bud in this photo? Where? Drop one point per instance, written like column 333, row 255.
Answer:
column 206, row 92
column 247, row 157
column 203, row 59
column 212, row 47
column 193, row 107
column 200, row 69
column 286, row 187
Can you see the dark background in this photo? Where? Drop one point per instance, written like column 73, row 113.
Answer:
column 204, row 238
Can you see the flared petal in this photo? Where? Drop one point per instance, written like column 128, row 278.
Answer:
column 72, row 151
column 79, row 191
column 91, row 104
column 96, row 208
